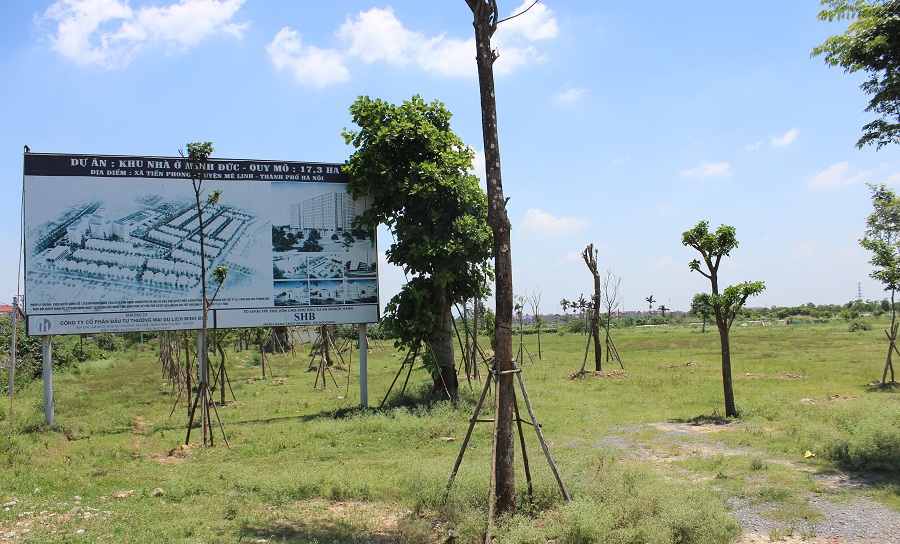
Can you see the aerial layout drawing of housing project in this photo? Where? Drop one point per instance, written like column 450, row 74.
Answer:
column 113, row 244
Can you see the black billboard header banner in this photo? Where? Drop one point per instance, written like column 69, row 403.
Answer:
column 107, row 166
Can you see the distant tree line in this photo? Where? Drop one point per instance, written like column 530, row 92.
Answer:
column 68, row 351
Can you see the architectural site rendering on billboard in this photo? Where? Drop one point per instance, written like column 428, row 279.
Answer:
column 112, row 244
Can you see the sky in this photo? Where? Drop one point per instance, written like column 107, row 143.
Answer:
column 621, row 124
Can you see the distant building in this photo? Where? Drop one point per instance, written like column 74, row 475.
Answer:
column 329, row 211
column 6, row 310
column 296, row 212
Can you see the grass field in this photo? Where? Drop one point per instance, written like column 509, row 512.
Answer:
column 306, row 465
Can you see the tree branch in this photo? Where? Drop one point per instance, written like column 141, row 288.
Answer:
column 517, row 14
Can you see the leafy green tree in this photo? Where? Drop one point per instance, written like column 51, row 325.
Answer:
column 724, row 304
column 870, row 44
column 700, row 308
column 882, row 238
column 417, row 173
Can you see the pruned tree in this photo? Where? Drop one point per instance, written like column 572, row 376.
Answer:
column 871, row 45
column 534, row 301
column 650, row 300
column 590, row 259
column 882, row 238
column 612, row 298
column 726, row 303
column 416, row 172
column 663, row 309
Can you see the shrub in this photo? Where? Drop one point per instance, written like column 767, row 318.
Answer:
column 866, row 440
column 860, row 326
column 109, row 342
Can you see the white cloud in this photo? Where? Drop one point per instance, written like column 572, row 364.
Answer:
column 708, row 170
column 755, row 146
column 540, row 224
column 377, row 35
column 569, row 96
column 837, row 175
column 108, row 33
column 311, row 66
column 785, row 139
column 447, row 57
column 514, row 37
column 537, row 24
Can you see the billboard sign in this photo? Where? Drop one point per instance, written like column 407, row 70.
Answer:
column 112, row 244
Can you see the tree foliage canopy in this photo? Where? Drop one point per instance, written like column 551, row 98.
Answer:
column 712, row 247
column 870, row 44
column 882, row 236
column 417, row 172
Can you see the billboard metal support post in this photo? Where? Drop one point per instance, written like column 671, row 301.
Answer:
column 363, row 366
column 48, row 379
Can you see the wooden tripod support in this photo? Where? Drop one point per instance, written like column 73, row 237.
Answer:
column 492, row 373
column 203, row 400
column 892, row 338
column 611, row 348
column 323, row 354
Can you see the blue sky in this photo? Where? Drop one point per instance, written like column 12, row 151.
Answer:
column 621, row 124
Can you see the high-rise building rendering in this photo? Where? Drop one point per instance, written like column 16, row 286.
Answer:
column 329, row 211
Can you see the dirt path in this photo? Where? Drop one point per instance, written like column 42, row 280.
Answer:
column 854, row 521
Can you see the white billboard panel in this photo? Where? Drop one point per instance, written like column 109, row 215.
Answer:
column 112, row 244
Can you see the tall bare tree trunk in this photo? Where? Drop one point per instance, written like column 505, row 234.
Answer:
column 730, row 410
column 590, row 259
column 485, row 22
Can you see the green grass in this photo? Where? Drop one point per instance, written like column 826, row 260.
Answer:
column 305, row 465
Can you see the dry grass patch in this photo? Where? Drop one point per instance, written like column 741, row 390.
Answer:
column 598, row 374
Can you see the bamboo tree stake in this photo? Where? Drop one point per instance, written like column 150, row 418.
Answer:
column 892, row 337
column 12, row 367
